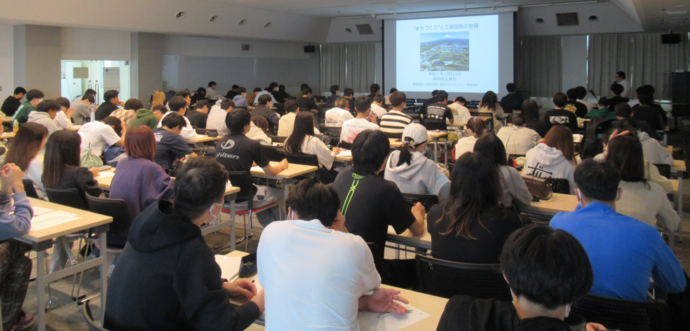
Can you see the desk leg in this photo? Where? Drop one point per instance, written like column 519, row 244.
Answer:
column 232, row 225
column 436, row 150
column 104, row 274
column 445, row 153
column 679, row 175
column 41, row 289
column 286, row 190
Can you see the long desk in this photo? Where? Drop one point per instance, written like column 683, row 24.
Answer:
column 430, row 304
column 395, row 143
column 41, row 240
column 6, row 119
column 201, row 139
column 293, row 170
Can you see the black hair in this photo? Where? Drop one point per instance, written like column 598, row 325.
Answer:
column 176, row 103
column 362, row 104
column 240, row 90
column 379, row 98
column 306, row 90
column 460, row 99
column 257, row 89
column 622, row 109
column 393, row 89
column 511, row 87
column 110, row 94
column 174, row 120
column 369, row 151
column 183, row 93
column 441, row 95
column 63, row 102
column 492, row 148
column 34, row 94
column 405, row 153
column 272, row 85
column 650, row 89
column 397, row 98
column 201, row 104
column 237, row 119
column 47, row 105
column 374, row 88
column 603, row 101
column 334, row 89
column 199, row 184
column 200, row 92
column 490, row 99
column 348, row 92
column 90, row 92
column 89, row 97
column 517, row 119
column 581, row 92
column 227, row 104
column 291, row 106
column 560, row 100
column 313, row 200
column 211, row 83
column 264, row 99
column 597, row 180
column 160, row 108
column 530, row 110
column 572, row 94
column 645, row 97
column 19, row 90
column 304, row 126
column 234, row 86
column 620, row 74
column 115, row 122
column 617, row 89
column 281, row 87
column 433, row 93
column 134, row 104
column 548, row 267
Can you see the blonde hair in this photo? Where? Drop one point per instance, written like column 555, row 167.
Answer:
column 342, row 103
column 158, row 99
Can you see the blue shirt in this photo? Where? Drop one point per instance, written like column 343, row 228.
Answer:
column 624, row 252
column 240, row 101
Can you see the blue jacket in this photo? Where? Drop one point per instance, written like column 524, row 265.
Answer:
column 624, row 252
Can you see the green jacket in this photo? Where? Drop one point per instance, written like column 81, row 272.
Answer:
column 144, row 117
column 601, row 112
column 22, row 116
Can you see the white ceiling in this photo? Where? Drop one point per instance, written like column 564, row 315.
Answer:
column 654, row 14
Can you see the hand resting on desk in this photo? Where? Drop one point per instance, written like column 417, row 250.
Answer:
column 244, row 289
column 384, row 300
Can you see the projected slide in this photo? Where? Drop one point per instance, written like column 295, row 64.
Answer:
column 458, row 54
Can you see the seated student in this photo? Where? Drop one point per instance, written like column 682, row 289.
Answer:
column 268, row 91
column 642, row 200
column 264, row 109
column 375, row 90
column 395, row 121
column 546, row 270
column 582, row 95
column 438, row 113
column 13, row 102
column 259, row 130
column 472, row 225
column 335, row 94
column 554, row 157
column 24, row 152
column 653, row 150
column 646, row 112
column 349, row 95
column 603, row 111
column 147, row 117
column 237, row 152
column 82, row 109
column 287, row 122
column 377, row 109
column 426, row 103
column 33, row 97
column 240, row 99
column 411, row 170
column 513, row 186
column 62, row 170
column 388, row 97
column 512, row 101
column 460, row 113
column 169, row 144
column 580, row 108
column 211, row 93
column 365, row 120
column 303, row 141
column 167, row 277
column 179, row 105
column 363, row 193
column 617, row 89
column 45, row 115
column 138, row 179
column 313, row 235
column 489, row 104
column 251, row 96
column 518, row 138
column 625, row 253
column 129, row 112
column 624, row 111
column 475, row 128
column 530, row 111
column 62, row 118
column 335, row 117
column 305, row 102
column 96, row 135
column 15, row 267
column 112, row 101
column 216, row 117
column 199, row 115
column 560, row 115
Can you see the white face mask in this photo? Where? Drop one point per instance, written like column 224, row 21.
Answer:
column 210, row 210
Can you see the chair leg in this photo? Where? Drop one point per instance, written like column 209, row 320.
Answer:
column 246, row 230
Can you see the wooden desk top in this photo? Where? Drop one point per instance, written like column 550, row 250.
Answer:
column 678, row 165
column 87, row 220
column 674, row 184
column 395, row 142
column 202, row 138
column 104, row 182
column 558, row 203
column 347, row 158
column 437, row 134
column 74, row 127
column 292, row 171
column 6, row 118
column 430, row 304
column 7, row 135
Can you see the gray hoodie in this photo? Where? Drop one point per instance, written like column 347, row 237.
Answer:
column 44, row 119
column 421, row 176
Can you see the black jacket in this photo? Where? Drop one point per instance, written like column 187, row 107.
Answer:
column 81, row 179
column 196, row 119
column 104, row 110
column 511, row 102
column 11, row 105
column 167, row 279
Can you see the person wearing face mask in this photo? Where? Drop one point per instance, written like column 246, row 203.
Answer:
column 413, row 172
column 315, row 232
column 167, row 277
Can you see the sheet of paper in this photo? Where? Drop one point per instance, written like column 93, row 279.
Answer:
column 229, row 266
column 105, row 174
column 228, row 185
column 202, row 136
column 390, row 322
column 41, row 211
column 51, row 219
column 577, row 138
column 345, row 153
column 257, row 168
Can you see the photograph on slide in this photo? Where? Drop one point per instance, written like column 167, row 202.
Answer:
column 445, row 51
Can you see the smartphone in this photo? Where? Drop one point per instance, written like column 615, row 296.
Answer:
column 535, row 198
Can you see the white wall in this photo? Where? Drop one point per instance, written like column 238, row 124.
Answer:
column 223, row 47
column 92, row 44
column 338, row 34
column 6, row 60
column 573, row 62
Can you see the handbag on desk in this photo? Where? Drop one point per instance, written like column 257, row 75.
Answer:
column 539, row 187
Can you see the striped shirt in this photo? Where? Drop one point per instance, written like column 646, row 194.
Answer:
column 395, row 122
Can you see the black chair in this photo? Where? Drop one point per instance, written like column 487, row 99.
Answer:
column 272, row 153
column 427, row 200
column 30, row 189
column 446, row 279
column 624, row 315
column 277, row 139
column 333, row 131
column 67, row 197
column 88, row 317
column 117, row 209
column 345, row 145
column 559, row 185
column 393, row 135
column 200, row 131
column 664, row 170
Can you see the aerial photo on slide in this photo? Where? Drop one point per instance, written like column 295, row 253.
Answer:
column 445, row 51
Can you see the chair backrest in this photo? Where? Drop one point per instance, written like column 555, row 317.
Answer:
column 427, row 200
column 305, row 159
column 446, row 279
column 67, row 197
column 30, row 189
column 515, row 156
column 559, row 185
column 664, row 170
column 271, row 153
column 88, row 317
column 277, row 139
column 624, row 315
column 345, row 145
column 117, row 209
column 242, row 180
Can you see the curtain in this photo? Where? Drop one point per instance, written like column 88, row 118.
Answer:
column 643, row 58
column 538, row 65
column 348, row 65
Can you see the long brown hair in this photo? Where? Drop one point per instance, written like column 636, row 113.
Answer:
column 26, row 145
column 477, row 126
column 489, row 100
column 304, row 126
column 561, row 138
column 140, row 143
column 62, row 150
column 158, row 99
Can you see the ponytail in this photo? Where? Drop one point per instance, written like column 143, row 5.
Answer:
column 405, row 153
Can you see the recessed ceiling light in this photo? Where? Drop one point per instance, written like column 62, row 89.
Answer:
column 539, row 20
column 267, row 25
column 180, row 15
column 242, row 21
column 593, row 18
column 348, row 30
column 676, row 12
column 213, row 18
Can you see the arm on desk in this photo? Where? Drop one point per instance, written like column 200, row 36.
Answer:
column 272, row 170
column 383, row 300
column 417, row 228
column 19, row 223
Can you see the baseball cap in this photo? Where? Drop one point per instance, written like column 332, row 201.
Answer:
column 417, row 132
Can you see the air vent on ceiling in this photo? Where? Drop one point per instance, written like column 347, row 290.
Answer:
column 567, row 19
column 364, row 29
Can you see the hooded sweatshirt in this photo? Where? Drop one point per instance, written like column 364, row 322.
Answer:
column 548, row 162
column 44, row 119
column 144, row 117
column 167, row 279
column 653, row 151
column 22, row 115
column 421, row 176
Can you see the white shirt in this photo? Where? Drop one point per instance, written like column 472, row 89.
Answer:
column 286, row 124
column 394, row 122
column 518, row 140
column 188, row 131
column 34, row 172
column 98, row 135
column 313, row 276
column 255, row 133
column 216, row 120
column 211, row 94
column 378, row 110
column 626, row 88
column 258, row 94
column 315, row 146
column 353, row 127
column 460, row 113
column 337, row 116
column 465, row 145
column 62, row 121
